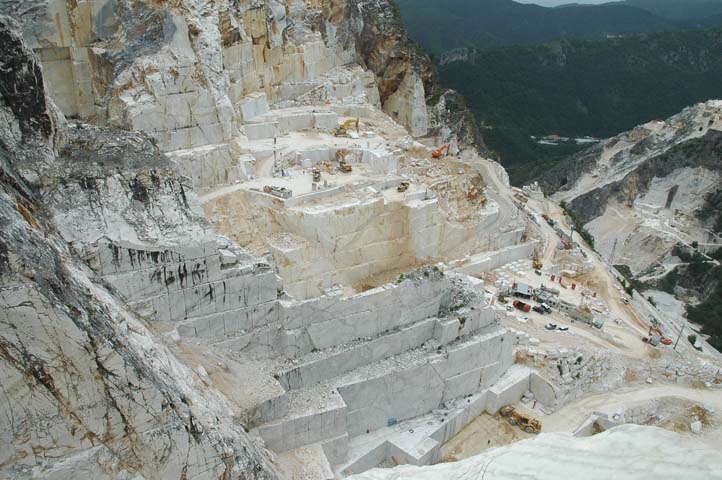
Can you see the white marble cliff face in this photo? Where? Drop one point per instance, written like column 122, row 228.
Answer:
column 88, row 390
column 622, row 452
column 182, row 72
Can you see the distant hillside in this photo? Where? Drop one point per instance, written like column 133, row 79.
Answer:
column 575, row 88
column 680, row 10
column 442, row 25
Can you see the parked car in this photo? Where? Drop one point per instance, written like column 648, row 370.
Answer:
column 551, row 326
column 563, row 329
column 539, row 310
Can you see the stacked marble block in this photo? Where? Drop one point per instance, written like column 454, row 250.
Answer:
column 389, row 362
column 211, row 165
column 280, row 122
column 210, row 292
column 350, row 242
column 478, row 265
column 418, row 441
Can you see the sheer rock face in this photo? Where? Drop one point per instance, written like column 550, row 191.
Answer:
column 181, row 70
column 452, row 121
column 88, row 390
column 404, row 71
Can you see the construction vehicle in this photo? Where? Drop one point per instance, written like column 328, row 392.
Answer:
column 537, row 260
column 547, row 219
column 655, row 337
column 344, row 167
column 441, row 152
column 280, row 192
column 521, row 198
column 342, row 131
column 403, row 186
column 526, row 422
column 316, row 174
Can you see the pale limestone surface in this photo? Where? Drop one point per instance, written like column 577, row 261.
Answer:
column 622, row 453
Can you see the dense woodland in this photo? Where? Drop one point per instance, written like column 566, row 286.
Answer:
column 578, row 88
column 443, row 25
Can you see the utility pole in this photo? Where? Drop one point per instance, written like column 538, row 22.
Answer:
column 614, row 249
column 678, row 337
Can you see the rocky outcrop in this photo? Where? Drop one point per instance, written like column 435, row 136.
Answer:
column 703, row 152
column 452, row 122
column 644, row 191
column 89, row 390
column 404, row 72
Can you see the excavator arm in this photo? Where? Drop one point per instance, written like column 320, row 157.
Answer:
column 441, row 151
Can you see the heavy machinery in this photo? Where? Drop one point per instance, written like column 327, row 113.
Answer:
column 549, row 220
column 342, row 131
column 655, row 337
column 280, row 192
column 316, row 175
column 344, row 167
column 441, row 152
column 403, row 186
column 526, row 422
column 537, row 260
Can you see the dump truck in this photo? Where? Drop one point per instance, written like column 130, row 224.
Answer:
column 526, row 422
column 316, row 174
column 524, row 307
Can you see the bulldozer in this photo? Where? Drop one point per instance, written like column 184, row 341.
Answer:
column 342, row 131
column 344, row 167
column 403, row 186
column 441, row 151
column 526, row 422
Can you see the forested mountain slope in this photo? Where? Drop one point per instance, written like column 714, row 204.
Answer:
column 577, row 88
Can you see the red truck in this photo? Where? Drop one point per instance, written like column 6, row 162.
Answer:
column 524, row 307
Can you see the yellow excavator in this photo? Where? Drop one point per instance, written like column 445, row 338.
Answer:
column 537, row 260
column 342, row 131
